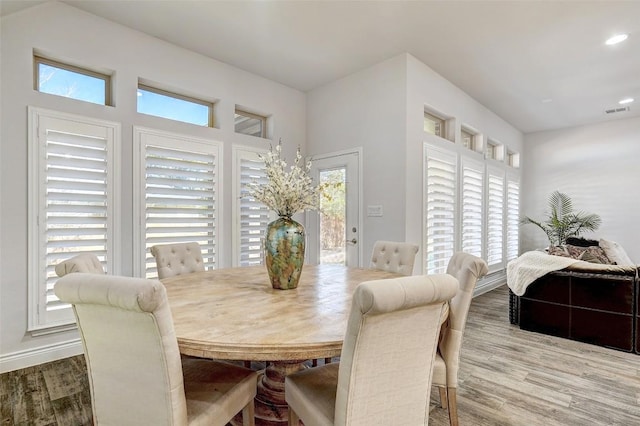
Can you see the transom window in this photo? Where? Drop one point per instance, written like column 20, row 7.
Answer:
column 434, row 125
column 513, row 159
column 250, row 124
column 468, row 139
column 69, row 81
column 495, row 151
column 164, row 104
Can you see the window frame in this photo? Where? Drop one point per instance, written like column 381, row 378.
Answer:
column 438, row 120
column 38, row 59
column 466, row 162
column 261, row 118
column 210, row 105
column 495, row 150
column 444, row 156
column 489, row 167
column 38, row 322
column 240, row 153
column 500, row 174
column 512, row 215
column 139, row 191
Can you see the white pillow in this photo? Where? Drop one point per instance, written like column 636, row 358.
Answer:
column 616, row 253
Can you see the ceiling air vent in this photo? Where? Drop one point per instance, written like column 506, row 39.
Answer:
column 617, row 110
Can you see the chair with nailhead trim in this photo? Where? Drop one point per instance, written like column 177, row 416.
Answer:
column 177, row 259
column 394, row 257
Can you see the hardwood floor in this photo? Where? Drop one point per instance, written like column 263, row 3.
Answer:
column 55, row 393
column 508, row 377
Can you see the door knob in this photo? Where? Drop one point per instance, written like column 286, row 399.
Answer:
column 352, row 241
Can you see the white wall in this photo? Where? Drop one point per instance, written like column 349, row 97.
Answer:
column 425, row 87
column 367, row 109
column 381, row 109
column 69, row 34
column 599, row 167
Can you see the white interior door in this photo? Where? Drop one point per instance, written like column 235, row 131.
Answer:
column 333, row 233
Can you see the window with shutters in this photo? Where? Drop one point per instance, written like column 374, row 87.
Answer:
column 176, row 193
column 513, row 216
column 495, row 218
column 472, row 206
column 440, row 208
column 72, row 203
column 250, row 216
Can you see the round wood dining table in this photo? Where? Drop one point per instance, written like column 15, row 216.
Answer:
column 235, row 314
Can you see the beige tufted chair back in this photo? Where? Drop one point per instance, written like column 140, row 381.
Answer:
column 177, row 259
column 394, row 257
column 134, row 364
column 384, row 374
column 86, row 262
column 468, row 269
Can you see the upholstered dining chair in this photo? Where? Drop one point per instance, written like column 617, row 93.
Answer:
column 136, row 374
column 394, row 257
column 177, row 259
column 384, row 373
column 85, row 262
column 467, row 269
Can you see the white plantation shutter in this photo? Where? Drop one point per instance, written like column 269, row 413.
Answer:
column 495, row 216
column 178, row 200
column 251, row 217
column 472, row 207
column 440, row 208
column 72, row 184
column 513, row 216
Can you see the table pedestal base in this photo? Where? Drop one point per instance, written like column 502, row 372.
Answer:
column 271, row 407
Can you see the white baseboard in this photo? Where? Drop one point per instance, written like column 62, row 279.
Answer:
column 29, row 358
column 489, row 283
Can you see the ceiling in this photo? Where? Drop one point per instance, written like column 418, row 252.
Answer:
column 538, row 64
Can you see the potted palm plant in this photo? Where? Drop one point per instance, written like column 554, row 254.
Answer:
column 562, row 222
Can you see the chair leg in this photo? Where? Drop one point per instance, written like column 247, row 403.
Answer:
column 443, row 396
column 327, row 360
column 247, row 364
column 249, row 414
column 294, row 420
column 453, row 406
column 314, row 362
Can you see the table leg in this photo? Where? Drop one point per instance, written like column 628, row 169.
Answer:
column 271, row 407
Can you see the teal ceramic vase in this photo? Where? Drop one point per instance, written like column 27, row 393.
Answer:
column 284, row 252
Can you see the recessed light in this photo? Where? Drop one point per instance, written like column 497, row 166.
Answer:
column 626, row 101
column 617, row 39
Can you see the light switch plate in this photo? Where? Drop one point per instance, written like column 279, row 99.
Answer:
column 374, row 211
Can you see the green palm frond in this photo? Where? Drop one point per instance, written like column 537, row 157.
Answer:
column 562, row 222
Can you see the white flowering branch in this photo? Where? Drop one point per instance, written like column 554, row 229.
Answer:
column 286, row 192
